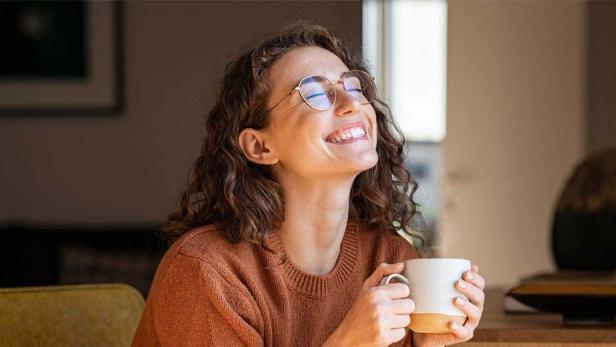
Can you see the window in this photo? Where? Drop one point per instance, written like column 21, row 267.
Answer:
column 405, row 45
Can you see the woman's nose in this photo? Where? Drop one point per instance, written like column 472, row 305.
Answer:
column 345, row 103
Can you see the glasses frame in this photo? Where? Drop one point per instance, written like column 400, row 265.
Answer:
column 297, row 88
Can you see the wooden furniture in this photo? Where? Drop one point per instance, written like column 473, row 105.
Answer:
column 498, row 329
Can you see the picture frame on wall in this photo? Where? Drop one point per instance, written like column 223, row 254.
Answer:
column 61, row 57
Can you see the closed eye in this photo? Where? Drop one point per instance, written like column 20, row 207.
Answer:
column 354, row 92
column 315, row 95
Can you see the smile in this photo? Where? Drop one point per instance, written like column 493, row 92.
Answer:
column 347, row 134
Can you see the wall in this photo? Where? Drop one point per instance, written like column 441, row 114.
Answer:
column 130, row 168
column 516, row 126
column 601, row 69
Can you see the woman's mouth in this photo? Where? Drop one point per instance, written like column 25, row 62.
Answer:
column 347, row 135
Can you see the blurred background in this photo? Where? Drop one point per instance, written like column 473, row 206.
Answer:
column 498, row 100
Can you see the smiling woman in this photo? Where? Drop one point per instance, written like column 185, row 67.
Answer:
column 286, row 226
column 254, row 97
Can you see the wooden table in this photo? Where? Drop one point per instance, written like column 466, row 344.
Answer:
column 527, row 330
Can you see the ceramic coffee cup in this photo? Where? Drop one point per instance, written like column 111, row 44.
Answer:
column 431, row 283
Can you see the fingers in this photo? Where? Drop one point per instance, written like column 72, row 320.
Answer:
column 396, row 335
column 475, row 278
column 402, row 306
column 463, row 333
column 472, row 286
column 400, row 321
column 474, row 294
column 396, row 290
column 381, row 271
column 385, row 269
column 473, row 313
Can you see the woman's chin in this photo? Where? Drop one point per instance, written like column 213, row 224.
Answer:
column 363, row 161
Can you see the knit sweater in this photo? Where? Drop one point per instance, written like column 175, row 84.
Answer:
column 208, row 291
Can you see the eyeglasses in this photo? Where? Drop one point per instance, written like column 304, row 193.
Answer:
column 319, row 93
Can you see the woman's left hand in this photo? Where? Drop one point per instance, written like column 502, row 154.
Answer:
column 471, row 285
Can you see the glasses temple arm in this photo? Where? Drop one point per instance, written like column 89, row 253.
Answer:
column 281, row 100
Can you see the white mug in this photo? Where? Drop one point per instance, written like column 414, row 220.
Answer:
column 431, row 283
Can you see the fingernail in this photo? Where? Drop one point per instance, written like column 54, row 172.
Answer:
column 460, row 301
column 461, row 284
column 469, row 276
column 455, row 326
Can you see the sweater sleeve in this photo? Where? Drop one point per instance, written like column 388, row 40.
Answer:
column 197, row 306
column 408, row 340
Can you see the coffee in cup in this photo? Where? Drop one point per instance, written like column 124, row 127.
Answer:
column 431, row 283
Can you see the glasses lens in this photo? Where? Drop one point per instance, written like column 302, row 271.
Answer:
column 359, row 85
column 318, row 92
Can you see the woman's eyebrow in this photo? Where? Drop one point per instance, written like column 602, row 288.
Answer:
column 339, row 76
column 296, row 84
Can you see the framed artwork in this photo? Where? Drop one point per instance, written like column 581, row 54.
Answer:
column 61, row 57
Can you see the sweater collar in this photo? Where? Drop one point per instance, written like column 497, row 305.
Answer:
column 315, row 285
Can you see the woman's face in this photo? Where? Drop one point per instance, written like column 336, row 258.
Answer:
column 303, row 138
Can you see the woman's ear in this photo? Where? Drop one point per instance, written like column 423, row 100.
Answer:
column 256, row 147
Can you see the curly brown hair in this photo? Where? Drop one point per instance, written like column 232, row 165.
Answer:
column 245, row 200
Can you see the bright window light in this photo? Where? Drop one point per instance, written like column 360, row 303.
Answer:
column 405, row 41
column 405, row 46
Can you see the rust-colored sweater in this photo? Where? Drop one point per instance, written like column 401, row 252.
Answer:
column 210, row 292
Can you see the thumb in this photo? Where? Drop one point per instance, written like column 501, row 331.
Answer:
column 381, row 271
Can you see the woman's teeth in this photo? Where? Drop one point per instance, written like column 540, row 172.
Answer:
column 347, row 134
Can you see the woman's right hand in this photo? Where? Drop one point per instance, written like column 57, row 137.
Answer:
column 380, row 314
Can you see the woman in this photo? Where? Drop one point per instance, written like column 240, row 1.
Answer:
column 289, row 211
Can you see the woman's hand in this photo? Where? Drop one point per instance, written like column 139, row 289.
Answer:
column 471, row 285
column 379, row 315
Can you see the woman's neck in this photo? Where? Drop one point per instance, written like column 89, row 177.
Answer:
column 316, row 215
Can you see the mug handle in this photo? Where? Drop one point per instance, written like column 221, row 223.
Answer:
column 399, row 277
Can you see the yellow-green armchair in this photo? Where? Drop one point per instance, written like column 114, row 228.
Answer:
column 78, row 315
